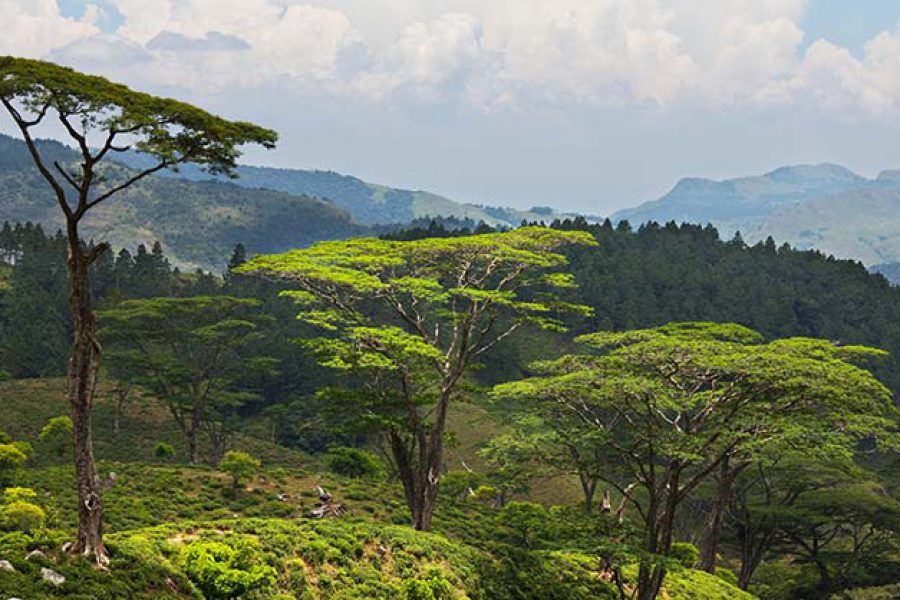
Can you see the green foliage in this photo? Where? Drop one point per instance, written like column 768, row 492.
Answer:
column 164, row 452
column 354, row 462
column 56, row 435
column 11, row 460
column 433, row 588
column 240, row 465
column 223, row 572
column 684, row 553
column 19, row 515
column 525, row 519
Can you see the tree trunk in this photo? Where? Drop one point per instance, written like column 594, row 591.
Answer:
column 84, row 365
column 709, row 547
column 588, row 488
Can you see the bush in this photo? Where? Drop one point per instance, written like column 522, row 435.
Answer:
column 22, row 516
column 434, row 588
column 685, row 554
column 224, row 573
column 354, row 462
column 525, row 518
column 240, row 466
column 11, row 459
column 18, row 494
column 164, row 452
column 56, row 435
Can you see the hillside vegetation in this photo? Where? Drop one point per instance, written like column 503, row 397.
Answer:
column 197, row 223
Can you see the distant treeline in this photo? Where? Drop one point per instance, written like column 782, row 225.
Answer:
column 634, row 278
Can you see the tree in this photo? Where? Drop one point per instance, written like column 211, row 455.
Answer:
column 192, row 354
column 414, row 317
column 673, row 402
column 101, row 117
column 240, row 466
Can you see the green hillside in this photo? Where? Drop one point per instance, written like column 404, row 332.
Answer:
column 368, row 203
column 196, row 222
column 157, row 513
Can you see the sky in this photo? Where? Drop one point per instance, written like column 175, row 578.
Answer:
column 586, row 105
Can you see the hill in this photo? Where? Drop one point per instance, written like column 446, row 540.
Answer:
column 197, row 222
column 826, row 207
column 368, row 203
column 158, row 513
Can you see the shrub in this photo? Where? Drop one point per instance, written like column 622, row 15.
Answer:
column 685, row 554
column 164, row 452
column 17, row 494
column 354, row 462
column 11, row 459
column 223, row 572
column 434, row 588
column 22, row 516
column 525, row 518
column 240, row 466
column 57, row 434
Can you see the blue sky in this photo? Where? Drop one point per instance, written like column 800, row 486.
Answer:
column 590, row 105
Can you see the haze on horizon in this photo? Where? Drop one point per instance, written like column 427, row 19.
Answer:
column 588, row 105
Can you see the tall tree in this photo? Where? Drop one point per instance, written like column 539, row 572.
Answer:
column 100, row 118
column 672, row 403
column 416, row 316
column 191, row 354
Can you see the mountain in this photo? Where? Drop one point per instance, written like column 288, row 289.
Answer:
column 368, row 203
column 197, row 222
column 825, row 206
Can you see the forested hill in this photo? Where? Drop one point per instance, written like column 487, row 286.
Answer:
column 368, row 203
column 826, row 207
column 197, row 223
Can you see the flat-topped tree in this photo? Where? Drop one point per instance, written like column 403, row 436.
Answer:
column 666, row 407
column 414, row 317
column 104, row 118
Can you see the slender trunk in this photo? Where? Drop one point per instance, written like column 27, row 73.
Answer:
column 588, row 488
column 84, row 365
column 709, row 547
column 193, row 431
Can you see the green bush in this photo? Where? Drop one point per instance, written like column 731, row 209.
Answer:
column 18, row 494
column 22, row 516
column 11, row 459
column 240, row 466
column 164, row 452
column 354, row 462
column 685, row 554
column 887, row 592
column 223, row 572
column 56, row 435
column 526, row 519
column 433, row 588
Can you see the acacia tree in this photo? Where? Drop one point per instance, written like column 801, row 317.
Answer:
column 671, row 403
column 191, row 353
column 102, row 118
column 414, row 317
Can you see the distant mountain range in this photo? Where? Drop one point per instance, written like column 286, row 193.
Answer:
column 199, row 218
column 198, row 223
column 367, row 203
column 826, row 207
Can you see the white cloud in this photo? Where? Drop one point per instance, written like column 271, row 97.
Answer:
column 34, row 27
column 482, row 55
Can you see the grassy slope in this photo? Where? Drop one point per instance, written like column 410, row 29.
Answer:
column 155, row 509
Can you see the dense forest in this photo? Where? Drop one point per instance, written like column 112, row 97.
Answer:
column 779, row 535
